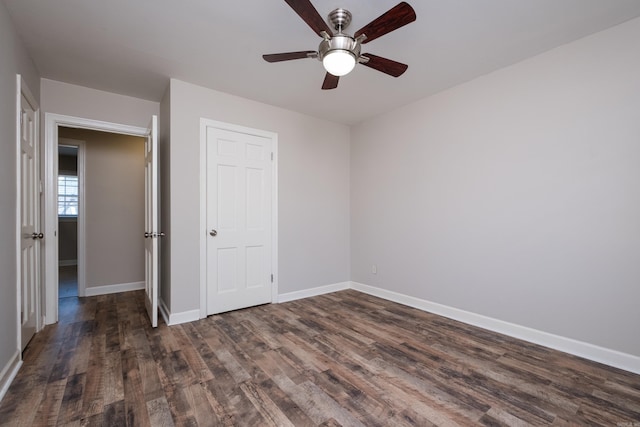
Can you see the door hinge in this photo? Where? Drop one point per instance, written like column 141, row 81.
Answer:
column 21, row 118
column 272, row 278
column 272, row 156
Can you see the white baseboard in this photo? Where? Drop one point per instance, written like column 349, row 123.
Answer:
column 177, row 318
column 192, row 315
column 9, row 372
column 67, row 262
column 320, row 290
column 184, row 317
column 113, row 289
column 593, row 352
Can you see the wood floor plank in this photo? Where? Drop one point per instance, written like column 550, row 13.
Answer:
column 272, row 363
column 151, row 385
column 219, row 400
column 93, row 398
column 60, row 369
column 351, row 398
column 266, row 334
column 114, row 414
column 48, row 411
column 134, row 402
column 159, row 413
column 173, row 389
column 192, row 357
column 263, row 404
column 113, row 388
column 288, row 406
column 199, row 403
column 95, row 420
column 71, row 407
column 316, row 403
column 341, row 359
column 235, row 369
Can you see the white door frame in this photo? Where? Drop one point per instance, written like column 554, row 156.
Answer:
column 52, row 122
column 23, row 90
column 204, row 123
column 81, row 244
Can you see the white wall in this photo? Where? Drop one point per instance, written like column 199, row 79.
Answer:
column 515, row 196
column 313, row 190
column 79, row 101
column 14, row 59
column 114, row 202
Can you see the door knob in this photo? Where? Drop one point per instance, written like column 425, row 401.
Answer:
column 161, row 234
column 147, row 234
column 213, row 233
column 40, row 235
column 34, row 235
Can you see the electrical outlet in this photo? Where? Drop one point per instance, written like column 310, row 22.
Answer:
column 374, row 269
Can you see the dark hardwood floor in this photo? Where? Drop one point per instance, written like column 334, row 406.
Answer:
column 67, row 281
column 340, row 359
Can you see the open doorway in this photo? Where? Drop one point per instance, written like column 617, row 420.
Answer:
column 69, row 184
column 100, row 208
column 145, row 232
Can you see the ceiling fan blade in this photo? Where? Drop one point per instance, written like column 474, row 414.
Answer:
column 277, row 57
column 387, row 66
column 310, row 15
column 396, row 17
column 330, row 81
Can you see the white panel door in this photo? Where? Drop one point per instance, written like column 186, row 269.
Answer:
column 238, row 220
column 151, row 233
column 29, row 221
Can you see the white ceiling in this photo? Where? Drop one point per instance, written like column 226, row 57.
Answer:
column 134, row 47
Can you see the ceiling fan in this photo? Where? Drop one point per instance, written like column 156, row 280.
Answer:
column 340, row 52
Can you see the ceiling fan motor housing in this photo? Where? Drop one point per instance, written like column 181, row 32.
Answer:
column 339, row 42
column 340, row 19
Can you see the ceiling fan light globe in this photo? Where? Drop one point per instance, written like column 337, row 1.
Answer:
column 339, row 62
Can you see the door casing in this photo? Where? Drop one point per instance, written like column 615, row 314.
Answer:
column 204, row 124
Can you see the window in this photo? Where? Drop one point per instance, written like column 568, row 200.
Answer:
column 67, row 195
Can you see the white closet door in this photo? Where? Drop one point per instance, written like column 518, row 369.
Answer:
column 238, row 220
